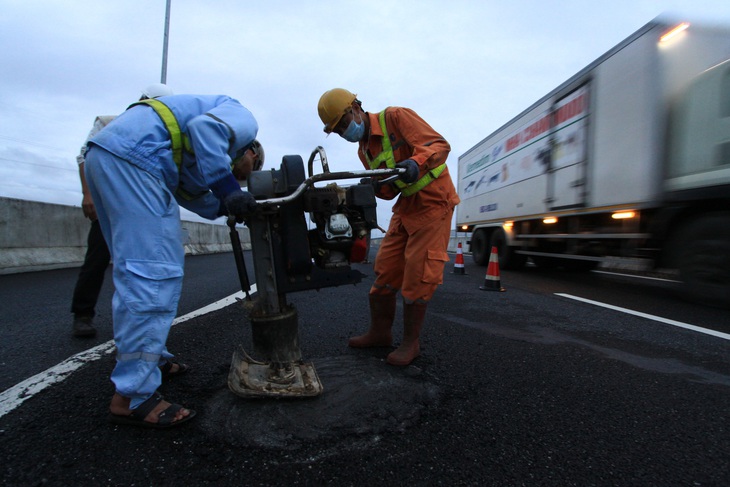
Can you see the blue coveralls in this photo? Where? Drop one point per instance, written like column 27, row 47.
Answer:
column 136, row 187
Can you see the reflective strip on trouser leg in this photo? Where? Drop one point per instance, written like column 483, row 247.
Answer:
column 141, row 224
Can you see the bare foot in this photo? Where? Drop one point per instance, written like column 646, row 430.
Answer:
column 120, row 407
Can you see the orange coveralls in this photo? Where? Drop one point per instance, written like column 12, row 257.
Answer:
column 412, row 254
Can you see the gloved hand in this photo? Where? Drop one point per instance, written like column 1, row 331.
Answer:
column 240, row 204
column 411, row 174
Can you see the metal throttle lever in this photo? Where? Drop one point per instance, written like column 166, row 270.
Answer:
column 394, row 177
column 238, row 255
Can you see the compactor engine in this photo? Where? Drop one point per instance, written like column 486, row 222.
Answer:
column 343, row 219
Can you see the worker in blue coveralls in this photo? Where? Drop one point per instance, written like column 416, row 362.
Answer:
column 96, row 260
column 189, row 150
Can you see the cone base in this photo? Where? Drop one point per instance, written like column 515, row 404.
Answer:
column 492, row 288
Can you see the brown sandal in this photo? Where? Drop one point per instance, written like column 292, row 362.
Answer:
column 167, row 373
column 166, row 418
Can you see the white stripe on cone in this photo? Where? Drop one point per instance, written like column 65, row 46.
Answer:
column 459, row 263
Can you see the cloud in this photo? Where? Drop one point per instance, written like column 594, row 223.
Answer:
column 466, row 67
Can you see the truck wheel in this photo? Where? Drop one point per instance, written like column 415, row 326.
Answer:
column 480, row 247
column 508, row 258
column 704, row 260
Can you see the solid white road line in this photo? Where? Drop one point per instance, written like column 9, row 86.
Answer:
column 686, row 326
column 13, row 397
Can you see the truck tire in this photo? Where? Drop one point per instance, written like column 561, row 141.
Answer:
column 704, row 260
column 508, row 258
column 480, row 247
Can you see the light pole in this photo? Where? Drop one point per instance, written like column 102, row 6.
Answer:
column 163, row 77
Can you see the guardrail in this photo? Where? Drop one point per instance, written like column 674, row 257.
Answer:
column 37, row 236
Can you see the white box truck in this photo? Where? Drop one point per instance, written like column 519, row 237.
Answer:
column 628, row 159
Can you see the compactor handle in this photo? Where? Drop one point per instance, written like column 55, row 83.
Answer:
column 331, row 176
column 238, row 255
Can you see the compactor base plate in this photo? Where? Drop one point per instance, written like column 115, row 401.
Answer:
column 252, row 379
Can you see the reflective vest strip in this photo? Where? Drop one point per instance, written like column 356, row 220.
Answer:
column 424, row 181
column 178, row 140
column 387, row 156
column 168, row 118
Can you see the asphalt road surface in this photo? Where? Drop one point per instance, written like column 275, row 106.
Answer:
column 556, row 381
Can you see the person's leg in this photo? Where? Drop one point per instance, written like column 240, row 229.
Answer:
column 140, row 221
column 425, row 257
column 89, row 282
column 410, row 348
column 389, row 262
column 389, row 272
column 382, row 313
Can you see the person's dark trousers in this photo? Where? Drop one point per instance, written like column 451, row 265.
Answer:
column 90, row 280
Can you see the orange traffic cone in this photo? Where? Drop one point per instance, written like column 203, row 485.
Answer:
column 491, row 280
column 459, row 264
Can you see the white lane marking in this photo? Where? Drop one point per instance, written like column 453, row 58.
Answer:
column 13, row 397
column 679, row 324
column 213, row 306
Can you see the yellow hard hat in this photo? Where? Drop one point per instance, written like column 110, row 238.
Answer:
column 333, row 104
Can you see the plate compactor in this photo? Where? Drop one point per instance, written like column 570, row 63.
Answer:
column 289, row 257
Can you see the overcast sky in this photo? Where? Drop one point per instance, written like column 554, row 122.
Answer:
column 466, row 67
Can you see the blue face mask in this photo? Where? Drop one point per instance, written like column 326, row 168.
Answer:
column 354, row 132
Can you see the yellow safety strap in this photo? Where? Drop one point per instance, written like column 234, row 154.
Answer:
column 387, row 157
column 178, row 140
column 424, row 181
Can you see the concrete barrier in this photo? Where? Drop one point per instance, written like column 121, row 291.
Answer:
column 38, row 236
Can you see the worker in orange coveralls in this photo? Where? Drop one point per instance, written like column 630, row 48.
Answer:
column 412, row 254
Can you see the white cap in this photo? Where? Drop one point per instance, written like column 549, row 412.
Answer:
column 156, row 90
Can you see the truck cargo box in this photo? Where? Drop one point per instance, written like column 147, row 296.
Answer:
column 628, row 159
column 596, row 141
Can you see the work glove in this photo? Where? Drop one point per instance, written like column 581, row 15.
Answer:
column 240, row 204
column 411, row 174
